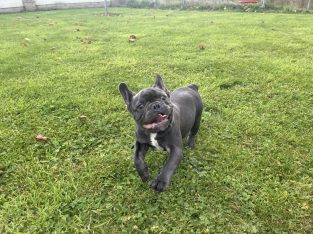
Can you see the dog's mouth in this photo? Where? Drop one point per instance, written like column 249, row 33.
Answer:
column 160, row 121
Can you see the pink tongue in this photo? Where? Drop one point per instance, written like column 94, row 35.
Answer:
column 159, row 119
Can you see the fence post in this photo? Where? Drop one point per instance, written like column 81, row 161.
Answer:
column 106, row 13
column 263, row 4
column 29, row 5
column 182, row 4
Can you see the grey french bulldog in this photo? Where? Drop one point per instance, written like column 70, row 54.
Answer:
column 163, row 119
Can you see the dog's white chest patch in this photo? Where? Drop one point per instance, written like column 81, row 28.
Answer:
column 154, row 142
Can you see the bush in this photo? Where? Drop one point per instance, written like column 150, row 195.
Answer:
column 143, row 4
column 203, row 6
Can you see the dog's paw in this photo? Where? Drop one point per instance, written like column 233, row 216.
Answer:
column 144, row 177
column 143, row 172
column 159, row 185
column 191, row 142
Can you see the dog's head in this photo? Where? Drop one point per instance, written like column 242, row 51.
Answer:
column 151, row 107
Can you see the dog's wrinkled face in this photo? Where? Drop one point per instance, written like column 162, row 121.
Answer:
column 151, row 107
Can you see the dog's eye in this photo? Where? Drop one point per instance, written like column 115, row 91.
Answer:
column 140, row 107
column 163, row 98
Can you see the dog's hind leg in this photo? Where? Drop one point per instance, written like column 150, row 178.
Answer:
column 194, row 130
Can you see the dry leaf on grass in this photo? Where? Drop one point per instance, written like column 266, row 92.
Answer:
column 132, row 38
column 83, row 117
column 85, row 41
column 201, row 47
column 42, row 138
column 305, row 206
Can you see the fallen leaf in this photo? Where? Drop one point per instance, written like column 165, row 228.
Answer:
column 83, row 117
column 86, row 41
column 305, row 206
column 201, row 46
column 132, row 38
column 41, row 138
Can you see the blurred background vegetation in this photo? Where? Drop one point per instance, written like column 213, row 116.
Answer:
column 244, row 5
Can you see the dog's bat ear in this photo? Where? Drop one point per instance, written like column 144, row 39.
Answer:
column 126, row 93
column 160, row 84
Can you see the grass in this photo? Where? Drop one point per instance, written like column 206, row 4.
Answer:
column 251, row 170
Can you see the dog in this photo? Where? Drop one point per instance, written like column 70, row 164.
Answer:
column 163, row 119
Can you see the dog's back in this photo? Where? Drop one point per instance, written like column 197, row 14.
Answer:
column 187, row 97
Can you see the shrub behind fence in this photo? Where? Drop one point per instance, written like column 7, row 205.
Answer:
column 20, row 5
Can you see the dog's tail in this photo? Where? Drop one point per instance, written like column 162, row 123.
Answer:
column 194, row 87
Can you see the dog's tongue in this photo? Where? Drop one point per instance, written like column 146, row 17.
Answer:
column 159, row 119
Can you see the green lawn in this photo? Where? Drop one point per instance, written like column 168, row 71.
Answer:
column 251, row 170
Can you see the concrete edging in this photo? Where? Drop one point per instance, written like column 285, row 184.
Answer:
column 69, row 5
column 33, row 7
column 11, row 9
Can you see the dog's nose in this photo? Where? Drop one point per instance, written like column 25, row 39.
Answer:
column 156, row 106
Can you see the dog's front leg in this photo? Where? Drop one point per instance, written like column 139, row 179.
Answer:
column 164, row 178
column 139, row 160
